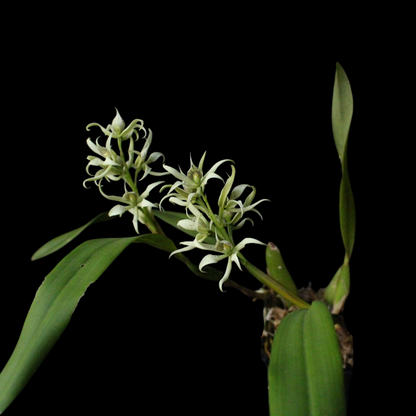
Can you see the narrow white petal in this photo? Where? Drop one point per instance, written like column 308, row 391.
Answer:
column 250, row 207
column 187, row 224
column 108, row 161
column 214, row 168
column 226, row 274
column 93, row 147
column 237, row 191
column 181, row 250
column 146, row 204
column 105, row 131
column 150, row 187
column 194, row 210
column 209, row 259
column 210, row 176
column 154, row 156
column 100, row 174
column 128, row 131
column 111, row 197
column 235, row 259
column 179, row 175
column 201, row 161
column 146, row 172
column 117, row 210
column 177, row 201
column 135, row 224
column 94, row 161
column 246, row 241
column 203, row 246
column 241, row 223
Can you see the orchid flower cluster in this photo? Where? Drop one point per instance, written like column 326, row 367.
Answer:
column 213, row 230
column 114, row 167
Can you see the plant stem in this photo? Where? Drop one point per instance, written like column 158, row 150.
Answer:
column 151, row 222
column 273, row 284
column 220, row 228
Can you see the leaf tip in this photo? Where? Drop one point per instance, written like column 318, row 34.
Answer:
column 273, row 247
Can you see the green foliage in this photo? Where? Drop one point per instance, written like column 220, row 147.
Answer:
column 342, row 108
column 62, row 240
column 52, row 308
column 305, row 370
column 277, row 269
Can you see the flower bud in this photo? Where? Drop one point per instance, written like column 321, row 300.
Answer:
column 195, row 174
column 118, row 123
column 131, row 197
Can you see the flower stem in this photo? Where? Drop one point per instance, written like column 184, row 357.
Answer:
column 220, row 228
column 273, row 284
column 151, row 222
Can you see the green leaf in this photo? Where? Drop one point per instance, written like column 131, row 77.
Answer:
column 331, row 289
column 305, row 371
column 158, row 241
column 342, row 109
column 342, row 290
column 52, row 307
column 62, row 240
column 172, row 218
column 342, row 106
column 57, row 298
column 347, row 212
column 276, row 268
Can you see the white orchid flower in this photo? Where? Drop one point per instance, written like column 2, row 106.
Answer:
column 116, row 129
column 228, row 251
column 232, row 209
column 133, row 203
column 194, row 181
column 198, row 223
column 111, row 165
column 142, row 161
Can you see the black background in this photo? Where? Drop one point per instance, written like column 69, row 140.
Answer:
column 148, row 332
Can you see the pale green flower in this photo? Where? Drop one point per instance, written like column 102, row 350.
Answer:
column 142, row 161
column 116, row 130
column 192, row 183
column 114, row 166
column 111, row 165
column 196, row 222
column 228, row 251
column 232, row 209
column 133, row 203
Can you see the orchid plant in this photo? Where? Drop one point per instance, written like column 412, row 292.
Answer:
column 305, row 344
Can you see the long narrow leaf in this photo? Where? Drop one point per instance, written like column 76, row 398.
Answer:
column 172, row 218
column 305, row 370
column 347, row 211
column 57, row 298
column 51, row 310
column 288, row 388
column 62, row 240
column 342, row 109
column 323, row 361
